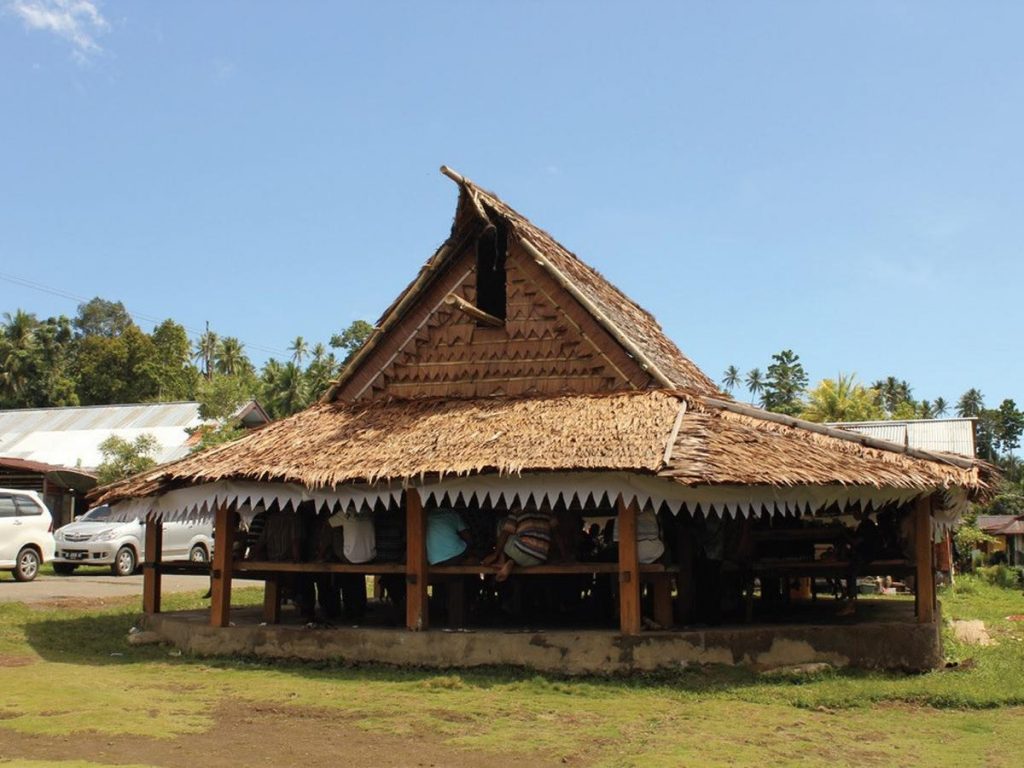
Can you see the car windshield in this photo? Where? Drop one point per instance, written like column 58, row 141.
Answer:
column 98, row 515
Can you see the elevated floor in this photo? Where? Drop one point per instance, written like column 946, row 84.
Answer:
column 883, row 634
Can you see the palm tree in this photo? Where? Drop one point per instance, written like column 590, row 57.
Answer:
column 940, row 407
column 841, row 399
column 299, row 349
column 731, row 378
column 230, row 357
column 290, row 393
column 925, row 410
column 755, row 383
column 971, row 403
column 205, row 351
column 17, row 350
column 319, row 350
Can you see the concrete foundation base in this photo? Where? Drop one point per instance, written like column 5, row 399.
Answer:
column 884, row 637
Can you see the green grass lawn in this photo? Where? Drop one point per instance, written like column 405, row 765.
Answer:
column 63, row 672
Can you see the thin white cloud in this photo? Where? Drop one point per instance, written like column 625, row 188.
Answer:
column 77, row 21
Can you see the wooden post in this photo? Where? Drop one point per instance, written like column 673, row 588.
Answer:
column 223, row 540
column 629, row 569
column 272, row 599
column 685, row 592
column 416, row 576
column 924, row 587
column 151, row 565
column 661, row 586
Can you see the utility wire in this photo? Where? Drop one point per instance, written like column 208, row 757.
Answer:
column 25, row 283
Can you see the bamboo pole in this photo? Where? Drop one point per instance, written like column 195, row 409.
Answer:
column 416, row 608
column 475, row 312
column 629, row 569
column 151, row 566
column 671, row 442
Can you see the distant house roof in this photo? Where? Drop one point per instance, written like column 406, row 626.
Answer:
column 71, row 437
column 944, row 435
column 1001, row 525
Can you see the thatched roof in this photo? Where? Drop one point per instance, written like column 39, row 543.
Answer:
column 670, row 423
column 335, row 443
column 636, row 329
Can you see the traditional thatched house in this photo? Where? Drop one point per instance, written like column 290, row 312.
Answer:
column 508, row 373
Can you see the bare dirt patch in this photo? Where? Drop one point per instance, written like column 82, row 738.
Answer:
column 16, row 661
column 263, row 735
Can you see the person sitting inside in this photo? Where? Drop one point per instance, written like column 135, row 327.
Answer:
column 524, row 540
column 649, row 546
column 448, row 537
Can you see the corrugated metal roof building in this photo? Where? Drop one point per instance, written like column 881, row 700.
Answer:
column 56, row 450
column 71, row 437
column 945, row 435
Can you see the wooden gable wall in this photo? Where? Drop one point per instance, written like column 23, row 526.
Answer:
column 549, row 344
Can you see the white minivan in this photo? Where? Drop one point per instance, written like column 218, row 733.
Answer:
column 97, row 539
column 26, row 533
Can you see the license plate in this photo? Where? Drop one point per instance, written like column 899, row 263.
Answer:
column 75, row 555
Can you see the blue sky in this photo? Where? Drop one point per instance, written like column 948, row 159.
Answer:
column 842, row 179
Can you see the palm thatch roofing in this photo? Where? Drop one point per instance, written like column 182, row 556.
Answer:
column 692, row 440
column 681, row 429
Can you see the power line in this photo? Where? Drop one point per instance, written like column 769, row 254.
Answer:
column 25, row 283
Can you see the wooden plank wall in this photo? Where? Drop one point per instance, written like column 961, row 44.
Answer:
column 549, row 344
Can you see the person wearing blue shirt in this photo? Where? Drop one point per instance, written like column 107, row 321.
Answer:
column 447, row 536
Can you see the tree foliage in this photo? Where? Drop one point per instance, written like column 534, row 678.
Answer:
column 784, row 384
column 842, row 399
column 123, row 458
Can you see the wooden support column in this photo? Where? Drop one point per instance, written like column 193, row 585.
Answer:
column 662, row 589
column 272, row 599
column 151, row 566
column 629, row 569
column 416, row 608
column 685, row 581
column 924, row 584
column 223, row 540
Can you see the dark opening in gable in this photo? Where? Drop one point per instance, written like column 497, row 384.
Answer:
column 491, row 249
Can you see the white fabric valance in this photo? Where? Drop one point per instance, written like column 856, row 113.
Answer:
column 583, row 488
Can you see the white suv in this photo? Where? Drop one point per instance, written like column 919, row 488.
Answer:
column 96, row 539
column 26, row 533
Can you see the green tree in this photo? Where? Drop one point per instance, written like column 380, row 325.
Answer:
column 123, row 458
column 971, row 403
column 998, row 431
column 230, row 357
column 122, row 369
column 299, row 349
column 222, row 395
column 940, row 407
column 731, row 378
column 205, row 351
column 352, row 338
column 755, row 383
column 34, row 361
column 284, row 389
column 322, row 370
column 176, row 377
column 100, row 317
column 841, row 399
column 785, row 383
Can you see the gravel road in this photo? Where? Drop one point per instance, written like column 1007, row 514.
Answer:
column 98, row 586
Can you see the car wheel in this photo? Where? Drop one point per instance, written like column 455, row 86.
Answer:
column 64, row 569
column 27, row 565
column 198, row 554
column 124, row 562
